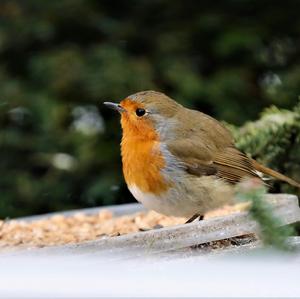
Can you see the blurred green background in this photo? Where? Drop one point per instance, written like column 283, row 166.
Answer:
column 60, row 59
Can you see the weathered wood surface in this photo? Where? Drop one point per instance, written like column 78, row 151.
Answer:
column 174, row 238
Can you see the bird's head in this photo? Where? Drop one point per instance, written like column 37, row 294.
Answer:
column 147, row 114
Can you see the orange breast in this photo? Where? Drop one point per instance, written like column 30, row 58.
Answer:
column 142, row 158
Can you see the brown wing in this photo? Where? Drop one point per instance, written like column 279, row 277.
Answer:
column 196, row 157
column 229, row 163
column 233, row 165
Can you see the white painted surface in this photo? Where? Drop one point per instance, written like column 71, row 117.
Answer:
column 261, row 274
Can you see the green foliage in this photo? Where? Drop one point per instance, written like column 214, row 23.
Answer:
column 274, row 140
column 271, row 230
column 60, row 59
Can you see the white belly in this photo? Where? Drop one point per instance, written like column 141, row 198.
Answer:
column 163, row 203
column 189, row 196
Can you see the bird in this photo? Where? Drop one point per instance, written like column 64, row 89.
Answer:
column 178, row 161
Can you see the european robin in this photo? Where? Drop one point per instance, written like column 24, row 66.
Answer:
column 179, row 161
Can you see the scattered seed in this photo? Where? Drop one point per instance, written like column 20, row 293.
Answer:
column 60, row 229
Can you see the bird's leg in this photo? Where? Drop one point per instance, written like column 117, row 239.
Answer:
column 192, row 218
column 201, row 217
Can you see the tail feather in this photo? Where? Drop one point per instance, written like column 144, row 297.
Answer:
column 274, row 174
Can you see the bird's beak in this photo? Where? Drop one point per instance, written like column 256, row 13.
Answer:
column 114, row 106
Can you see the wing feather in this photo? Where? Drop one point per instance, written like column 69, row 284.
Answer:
column 227, row 163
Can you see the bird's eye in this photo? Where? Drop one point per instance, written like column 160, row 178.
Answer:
column 140, row 112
